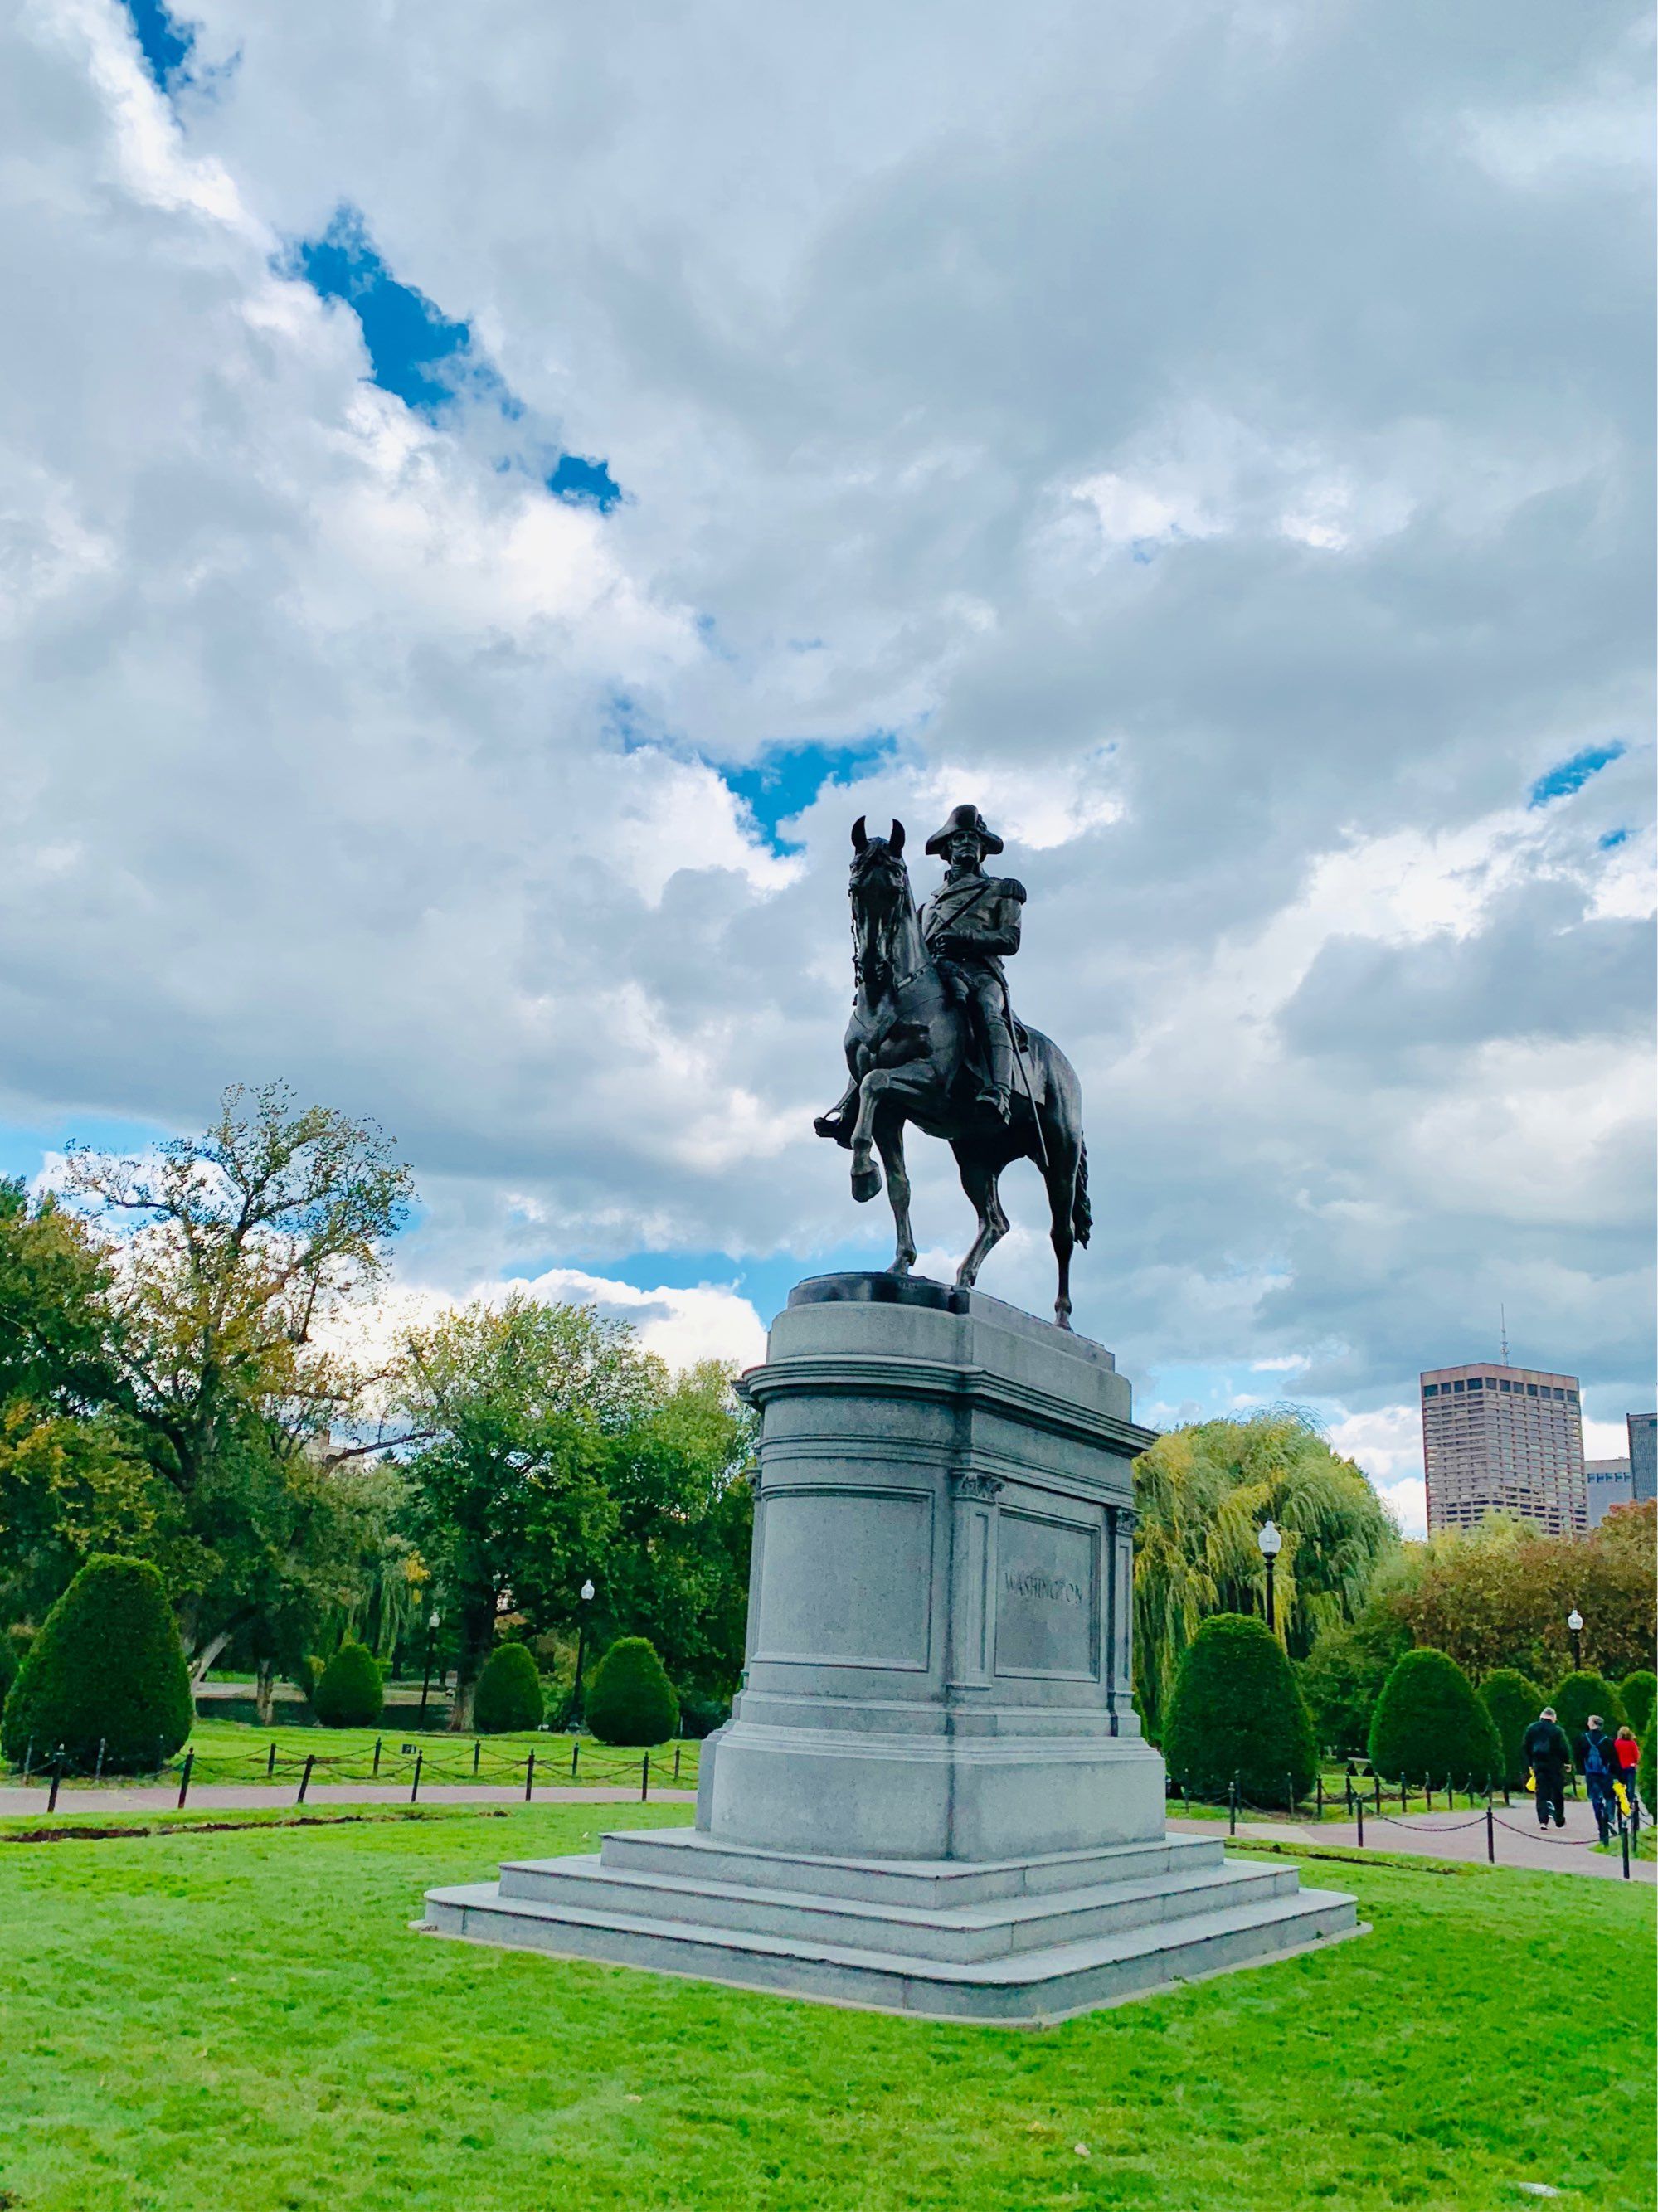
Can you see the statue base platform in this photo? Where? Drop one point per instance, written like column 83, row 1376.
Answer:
column 933, row 1794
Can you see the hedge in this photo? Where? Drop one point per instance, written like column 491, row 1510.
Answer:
column 508, row 1693
column 1639, row 1693
column 1431, row 1727
column 1237, row 1710
column 1648, row 1775
column 350, row 1692
column 1581, row 1694
column 1513, row 1702
column 629, row 1699
column 105, row 1669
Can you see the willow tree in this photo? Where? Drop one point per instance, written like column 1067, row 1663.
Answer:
column 1203, row 1493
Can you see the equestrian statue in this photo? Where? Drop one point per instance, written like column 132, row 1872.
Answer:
column 933, row 1041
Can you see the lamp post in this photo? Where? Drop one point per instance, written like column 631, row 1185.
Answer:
column 432, row 1620
column 581, row 1653
column 1271, row 1545
column 1574, row 1623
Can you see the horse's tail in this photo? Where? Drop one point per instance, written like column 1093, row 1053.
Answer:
column 1082, row 1214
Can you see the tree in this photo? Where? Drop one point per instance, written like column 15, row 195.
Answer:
column 1581, row 1694
column 1342, row 1675
column 1639, row 1694
column 1513, row 1704
column 350, row 1692
column 508, row 1691
column 54, row 1280
column 1500, row 1594
column 220, row 1258
column 1202, row 1493
column 1430, row 1727
column 630, row 1699
column 105, row 1677
column 524, row 1409
column 1236, row 1710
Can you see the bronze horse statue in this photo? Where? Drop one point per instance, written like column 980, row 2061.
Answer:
column 910, row 1054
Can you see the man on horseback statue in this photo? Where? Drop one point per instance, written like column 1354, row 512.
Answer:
column 970, row 923
column 933, row 1042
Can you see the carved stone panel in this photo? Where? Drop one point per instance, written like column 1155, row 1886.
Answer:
column 1048, row 1596
column 848, row 1576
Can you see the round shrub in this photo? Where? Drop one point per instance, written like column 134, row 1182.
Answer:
column 1237, row 1710
column 106, row 1668
column 1514, row 1704
column 1581, row 1694
column 629, row 1699
column 508, row 1693
column 350, row 1692
column 1429, row 1726
column 1639, row 1693
column 1647, row 1775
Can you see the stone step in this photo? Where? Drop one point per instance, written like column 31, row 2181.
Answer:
column 936, row 1884
column 964, row 1933
column 1025, row 1988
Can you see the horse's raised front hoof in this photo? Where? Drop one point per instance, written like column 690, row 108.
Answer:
column 865, row 1183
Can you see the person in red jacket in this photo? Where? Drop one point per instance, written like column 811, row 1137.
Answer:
column 1627, row 1751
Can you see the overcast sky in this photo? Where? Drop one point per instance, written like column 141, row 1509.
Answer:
column 487, row 494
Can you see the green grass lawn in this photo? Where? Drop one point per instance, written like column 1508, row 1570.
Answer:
column 210, row 2022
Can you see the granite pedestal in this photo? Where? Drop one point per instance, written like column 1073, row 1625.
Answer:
column 933, row 1794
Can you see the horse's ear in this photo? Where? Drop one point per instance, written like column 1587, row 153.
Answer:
column 895, row 842
column 859, row 835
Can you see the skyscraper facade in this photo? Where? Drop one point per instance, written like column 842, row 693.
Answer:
column 1609, row 1484
column 1498, row 1439
column 1643, row 1455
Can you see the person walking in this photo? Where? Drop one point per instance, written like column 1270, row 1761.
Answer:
column 1597, row 1762
column 1627, row 1751
column 1547, row 1753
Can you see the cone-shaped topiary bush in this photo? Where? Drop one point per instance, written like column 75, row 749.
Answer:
column 1514, row 1704
column 1581, row 1694
column 1639, row 1693
column 630, row 1699
column 350, row 1692
column 508, row 1693
column 1237, row 1710
column 106, row 1668
column 1429, row 1726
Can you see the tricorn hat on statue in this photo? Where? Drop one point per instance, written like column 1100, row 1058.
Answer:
column 964, row 818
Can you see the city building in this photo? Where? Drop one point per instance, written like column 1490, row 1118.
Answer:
column 1608, row 1481
column 1500, row 1439
column 1643, row 1455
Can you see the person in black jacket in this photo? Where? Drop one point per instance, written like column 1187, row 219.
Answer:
column 1547, row 1753
column 1597, row 1762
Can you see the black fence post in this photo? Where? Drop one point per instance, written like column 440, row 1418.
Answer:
column 1318, row 1786
column 414, row 1789
column 477, row 1754
column 575, row 1757
column 184, row 1779
column 270, row 1762
column 1490, row 1833
column 675, row 1765
column 1361, row 1824
column 529, row 1776
column 375, row 1775
column 1623, row 1833
column 304, row 1778
column 57, row 1777
column 1376, row 1779
column 645, row 1780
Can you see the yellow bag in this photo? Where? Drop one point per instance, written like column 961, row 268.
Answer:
column 1622, row 1795
column 1531, row 1781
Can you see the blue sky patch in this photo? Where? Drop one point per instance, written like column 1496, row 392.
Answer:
column 1572, row 774
column 429, row 361
column 164, row 41
column 1612, row 839
column 786, row 779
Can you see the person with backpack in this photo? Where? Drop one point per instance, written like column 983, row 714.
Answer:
column 1547, row 1753
column 1597, row 1763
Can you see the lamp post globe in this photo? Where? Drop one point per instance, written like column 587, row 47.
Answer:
column 1271, row 1543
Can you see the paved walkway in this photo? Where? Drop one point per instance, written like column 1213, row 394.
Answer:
column 220, row 1796
column 1460, row 1835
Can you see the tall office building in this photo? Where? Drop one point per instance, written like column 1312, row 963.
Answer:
column 1499, row 1439
column 1643, row 1455
column 1609, row 1484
